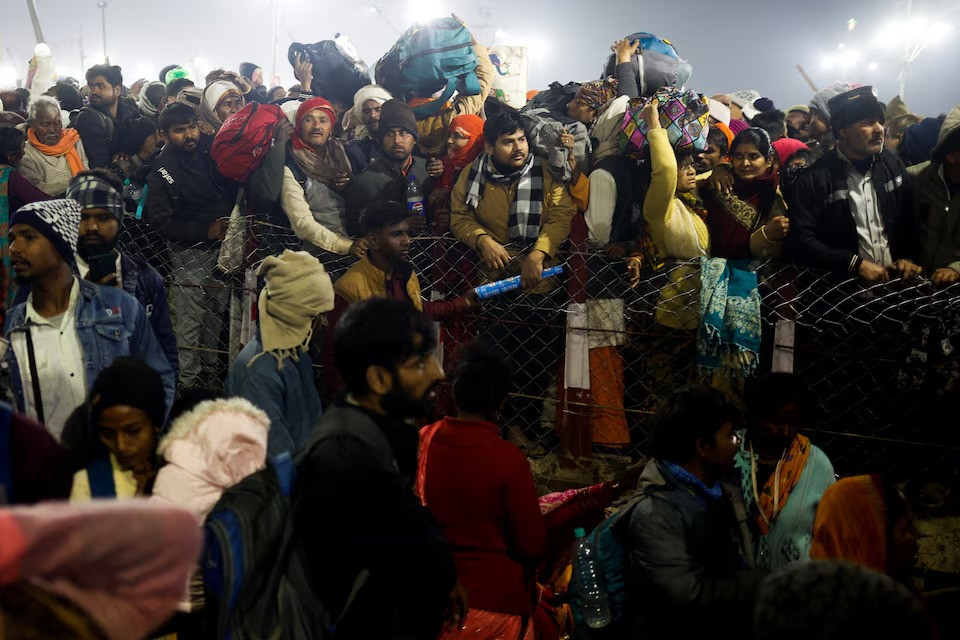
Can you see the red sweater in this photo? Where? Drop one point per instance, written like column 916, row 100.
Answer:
column 480, row 490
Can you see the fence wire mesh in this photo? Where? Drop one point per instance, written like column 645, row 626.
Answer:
column 593, row 357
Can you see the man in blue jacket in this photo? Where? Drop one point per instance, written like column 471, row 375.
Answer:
column 68, row 329
column 274, row 370
column 101, row 221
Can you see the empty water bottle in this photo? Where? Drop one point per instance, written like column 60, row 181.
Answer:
column 593, row 592
column 414, row 197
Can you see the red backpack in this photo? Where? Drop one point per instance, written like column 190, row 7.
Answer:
column 244, row 140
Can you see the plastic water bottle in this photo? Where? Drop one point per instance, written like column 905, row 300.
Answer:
column 414, row 197
column 596, row 609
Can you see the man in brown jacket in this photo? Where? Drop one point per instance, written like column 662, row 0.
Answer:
column 516, row 216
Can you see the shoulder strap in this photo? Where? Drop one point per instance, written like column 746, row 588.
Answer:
column 284, row 468
column 142, row 201
column 100, row 476
column 431, row 108
column 6, row 469
column 34, row 379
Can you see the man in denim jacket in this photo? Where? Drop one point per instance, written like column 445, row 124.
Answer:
column 68, row 330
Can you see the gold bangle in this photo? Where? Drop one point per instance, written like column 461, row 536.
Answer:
column 763, row 232
column 632, row 258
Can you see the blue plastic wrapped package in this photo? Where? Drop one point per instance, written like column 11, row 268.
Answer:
column 493, row 289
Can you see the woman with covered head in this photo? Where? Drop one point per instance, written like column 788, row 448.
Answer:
column 114, row 434
column 316, row 173
column 464, row 145
column 221, row 99
column 750, row 219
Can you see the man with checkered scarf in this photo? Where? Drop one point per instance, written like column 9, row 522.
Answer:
column 515, row 215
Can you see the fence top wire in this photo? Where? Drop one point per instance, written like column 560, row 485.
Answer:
column 811, row 298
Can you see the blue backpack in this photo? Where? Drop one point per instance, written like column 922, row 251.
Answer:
column 659, row 65
column 430, row 56
column 610, row 540
column 250, row 591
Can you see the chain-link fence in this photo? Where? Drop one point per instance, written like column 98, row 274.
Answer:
column 593, row 357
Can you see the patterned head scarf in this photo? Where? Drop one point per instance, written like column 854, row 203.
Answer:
column 597, row 93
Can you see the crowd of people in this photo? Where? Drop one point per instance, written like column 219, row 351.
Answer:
column 405, row 521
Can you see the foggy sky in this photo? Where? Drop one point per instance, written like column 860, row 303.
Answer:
column 745, row 44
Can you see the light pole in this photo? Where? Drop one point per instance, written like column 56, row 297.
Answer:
column 103, row 24
column 35, row 19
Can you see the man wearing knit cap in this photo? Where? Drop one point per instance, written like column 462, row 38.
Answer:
column 274, row 370
column 818, row 124
column 365, row 146
column 797, row 117
column 101, row 220
column 851, row 211
column 387, row 177
column 68, row 329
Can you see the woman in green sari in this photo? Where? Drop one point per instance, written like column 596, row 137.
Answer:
column 782, row 475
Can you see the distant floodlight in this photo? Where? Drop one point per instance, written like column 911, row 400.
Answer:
column 421, row 10
column 828, row 62
column 8, row 76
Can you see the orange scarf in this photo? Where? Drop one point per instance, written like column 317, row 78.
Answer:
column 66, row 147
column 851, row 523
column 789, row 470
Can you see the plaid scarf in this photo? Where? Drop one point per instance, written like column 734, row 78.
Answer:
column 524, row 223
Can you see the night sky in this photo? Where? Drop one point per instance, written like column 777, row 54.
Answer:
column 746, row 44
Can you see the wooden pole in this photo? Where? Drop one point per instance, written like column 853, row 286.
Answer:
column 807, row 78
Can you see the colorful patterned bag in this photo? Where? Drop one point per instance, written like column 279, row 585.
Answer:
column 682, row 113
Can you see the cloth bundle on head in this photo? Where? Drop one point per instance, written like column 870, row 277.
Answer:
column 191, row 96
column 396, row 114
column 821, row 99
column 215, row 93
column 247, row 69
column 596, row 93
column 331, row 159
column 853, row 106
column 94, row 192
column 786, row 147
column 132, row 383
column 56, row 220
column 144, row 104
column 297, row 290
column 683, row 114
column 473, row 126
column 719, row 111
column 745, row 99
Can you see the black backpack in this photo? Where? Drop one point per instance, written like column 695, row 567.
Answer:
column 337, row 75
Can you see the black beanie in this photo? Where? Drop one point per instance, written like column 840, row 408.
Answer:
column 396, row 114
column 247, row 69
column 129, row 382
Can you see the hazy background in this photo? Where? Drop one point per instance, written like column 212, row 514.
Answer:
column 746, row 44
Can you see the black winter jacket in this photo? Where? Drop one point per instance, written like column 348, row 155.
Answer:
column 185, row 195
column 102, row 135
column 354, row 509
column 823, row 233
column 687, row 576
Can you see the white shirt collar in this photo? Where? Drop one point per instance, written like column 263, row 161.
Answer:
column 35, row 318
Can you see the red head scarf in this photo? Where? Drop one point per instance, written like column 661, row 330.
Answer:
column 307, row 107
column 473, row 126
